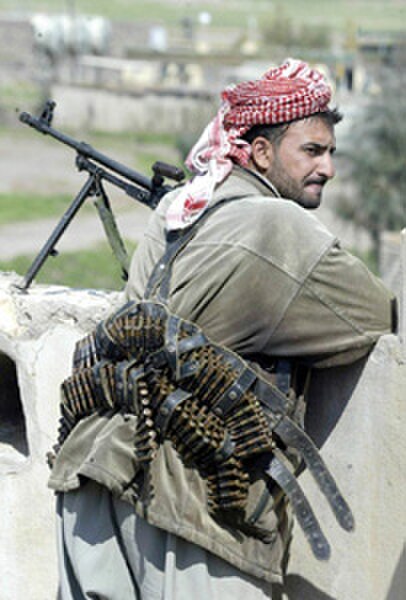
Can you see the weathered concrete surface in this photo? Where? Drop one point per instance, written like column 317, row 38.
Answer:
column 358, row 416
column 402, row 316
column 38, row 331
column 390, row 263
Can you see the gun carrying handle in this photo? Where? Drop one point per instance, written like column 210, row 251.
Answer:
column 163, row 169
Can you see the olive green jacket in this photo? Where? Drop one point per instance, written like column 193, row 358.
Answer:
column 263, row 277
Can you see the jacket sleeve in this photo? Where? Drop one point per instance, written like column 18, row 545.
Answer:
column 338, row 314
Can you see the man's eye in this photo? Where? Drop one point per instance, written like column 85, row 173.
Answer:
column 311, row 151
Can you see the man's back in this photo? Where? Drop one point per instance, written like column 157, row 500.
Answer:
column 262, row 275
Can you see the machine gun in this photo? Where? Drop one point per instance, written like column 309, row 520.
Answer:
column 99, row 167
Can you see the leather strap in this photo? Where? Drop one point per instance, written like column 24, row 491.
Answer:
column 300, row 505
column 159, row 281
column 274, row 402
column 295, row 437
column 233, row 395
column 167, row 408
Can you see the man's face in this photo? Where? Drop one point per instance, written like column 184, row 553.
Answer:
column 301, row 164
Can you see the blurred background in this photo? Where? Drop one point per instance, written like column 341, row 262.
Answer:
column 140, row 79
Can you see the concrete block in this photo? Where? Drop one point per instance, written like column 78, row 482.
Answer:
column 357, row 415
column 38, row 331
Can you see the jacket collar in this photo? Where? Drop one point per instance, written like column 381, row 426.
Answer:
column 245, row 182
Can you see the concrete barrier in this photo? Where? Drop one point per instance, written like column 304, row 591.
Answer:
column 357, row 416
column 38, row 331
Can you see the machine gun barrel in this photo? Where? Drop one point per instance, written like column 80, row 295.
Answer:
column 86, row 150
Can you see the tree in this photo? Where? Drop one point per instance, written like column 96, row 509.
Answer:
column 376, row 162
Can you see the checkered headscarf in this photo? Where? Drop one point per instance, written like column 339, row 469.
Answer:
column 291, row 91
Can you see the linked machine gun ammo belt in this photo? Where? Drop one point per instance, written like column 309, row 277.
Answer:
column 221, row 415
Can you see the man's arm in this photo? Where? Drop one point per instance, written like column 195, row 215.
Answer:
column 341, row 311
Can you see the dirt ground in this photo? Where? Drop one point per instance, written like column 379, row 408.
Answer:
column 36, row 165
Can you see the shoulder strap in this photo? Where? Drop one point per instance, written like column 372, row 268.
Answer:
column 159, row 281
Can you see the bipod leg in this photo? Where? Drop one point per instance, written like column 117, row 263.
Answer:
column 111, row 229
column 48, row 248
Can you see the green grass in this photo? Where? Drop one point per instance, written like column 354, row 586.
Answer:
column 95, row 268
column 375, row 14
column 28, row 207
column 18, row 94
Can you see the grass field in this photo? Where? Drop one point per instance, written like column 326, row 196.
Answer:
column 95, row 268
column 375, row 14
column 27, row 207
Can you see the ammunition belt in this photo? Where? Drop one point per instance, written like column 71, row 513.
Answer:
column 215, row 410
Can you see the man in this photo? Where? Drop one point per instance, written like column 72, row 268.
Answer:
column 259, row 276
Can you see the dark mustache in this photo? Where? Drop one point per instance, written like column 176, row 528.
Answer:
column 318, row 180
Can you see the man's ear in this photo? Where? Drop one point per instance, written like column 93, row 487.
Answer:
column 262, row 154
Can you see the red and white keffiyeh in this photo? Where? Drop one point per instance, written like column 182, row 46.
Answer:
column 291, row 91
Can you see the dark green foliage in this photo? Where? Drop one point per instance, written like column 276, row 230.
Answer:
column 376, row 158
column 285, row 31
